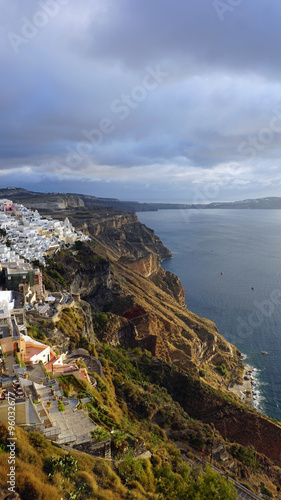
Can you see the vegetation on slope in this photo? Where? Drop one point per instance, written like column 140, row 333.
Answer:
column 44, row 471
column 131, row 402
column 142, row 397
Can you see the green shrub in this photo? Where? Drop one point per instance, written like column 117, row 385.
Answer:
column 210, row 485
column 99, row 321
column 222, row 370
column 137, row 470
column 77, row 245
column 247, row 455
column 264, row 490
column 61, row 405
column 66, row 465
column 137, row 351
column 35, row 333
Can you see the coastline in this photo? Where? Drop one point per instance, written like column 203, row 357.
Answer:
column 246, row 391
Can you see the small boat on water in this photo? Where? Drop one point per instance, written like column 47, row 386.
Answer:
column 264, row 352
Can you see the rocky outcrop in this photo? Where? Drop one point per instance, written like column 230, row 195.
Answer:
column 129, row 239
column 146, row 266
column 237, row 423
column 120, row 233
column 119, row 332
column 234, row 421
column 169, row 283
column 85, row 310
column 103, row 224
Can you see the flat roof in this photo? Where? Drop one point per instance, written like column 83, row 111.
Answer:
column 32, row 351
column 19, row 270
column 5, row 332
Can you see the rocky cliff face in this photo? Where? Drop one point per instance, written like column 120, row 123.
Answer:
column 120, row 273
column 146, row 266
column 235, row 422
column 48, row 201
column 130, row 240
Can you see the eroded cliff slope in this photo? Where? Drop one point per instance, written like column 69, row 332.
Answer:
column 119, row 273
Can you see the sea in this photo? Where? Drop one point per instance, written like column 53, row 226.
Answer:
column 229, row 262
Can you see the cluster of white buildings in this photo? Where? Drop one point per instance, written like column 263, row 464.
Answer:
column 31, row 236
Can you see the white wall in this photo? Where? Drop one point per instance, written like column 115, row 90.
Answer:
column 7, row 296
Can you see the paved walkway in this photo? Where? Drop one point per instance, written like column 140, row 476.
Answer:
column 32, row 415
column 36, row 373
column 10, row 360
column 74, row 424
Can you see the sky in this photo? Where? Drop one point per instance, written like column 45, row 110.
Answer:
column 148, row 100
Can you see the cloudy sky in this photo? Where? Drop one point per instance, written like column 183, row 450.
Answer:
column 151, row 100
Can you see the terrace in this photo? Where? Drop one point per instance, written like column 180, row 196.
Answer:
column 34, row 351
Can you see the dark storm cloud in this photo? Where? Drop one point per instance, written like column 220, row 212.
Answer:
column 154, row 96
column 246, row 39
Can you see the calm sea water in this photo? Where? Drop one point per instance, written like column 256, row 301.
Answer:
column 244, row 245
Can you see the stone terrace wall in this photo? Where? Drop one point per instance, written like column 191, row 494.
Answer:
column 102, row 449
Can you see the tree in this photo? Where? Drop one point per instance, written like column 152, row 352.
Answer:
column 245, row 454
column 100, row 434
column 119, row 438
column 211, row 485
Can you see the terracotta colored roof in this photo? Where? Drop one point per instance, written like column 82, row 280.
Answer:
column 49, row 365
column 33, row 351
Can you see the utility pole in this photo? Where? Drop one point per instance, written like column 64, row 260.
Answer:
column 212, row 442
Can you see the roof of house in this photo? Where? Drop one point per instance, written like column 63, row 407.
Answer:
column 33, row 351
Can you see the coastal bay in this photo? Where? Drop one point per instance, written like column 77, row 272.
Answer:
column 229, row 264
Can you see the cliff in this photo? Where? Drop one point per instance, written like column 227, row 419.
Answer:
column 62, row 201
column 138, row 306
column 57, row 201
column 120, row 234
column 120, row 273
column 43, row 201
column 234, row 421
